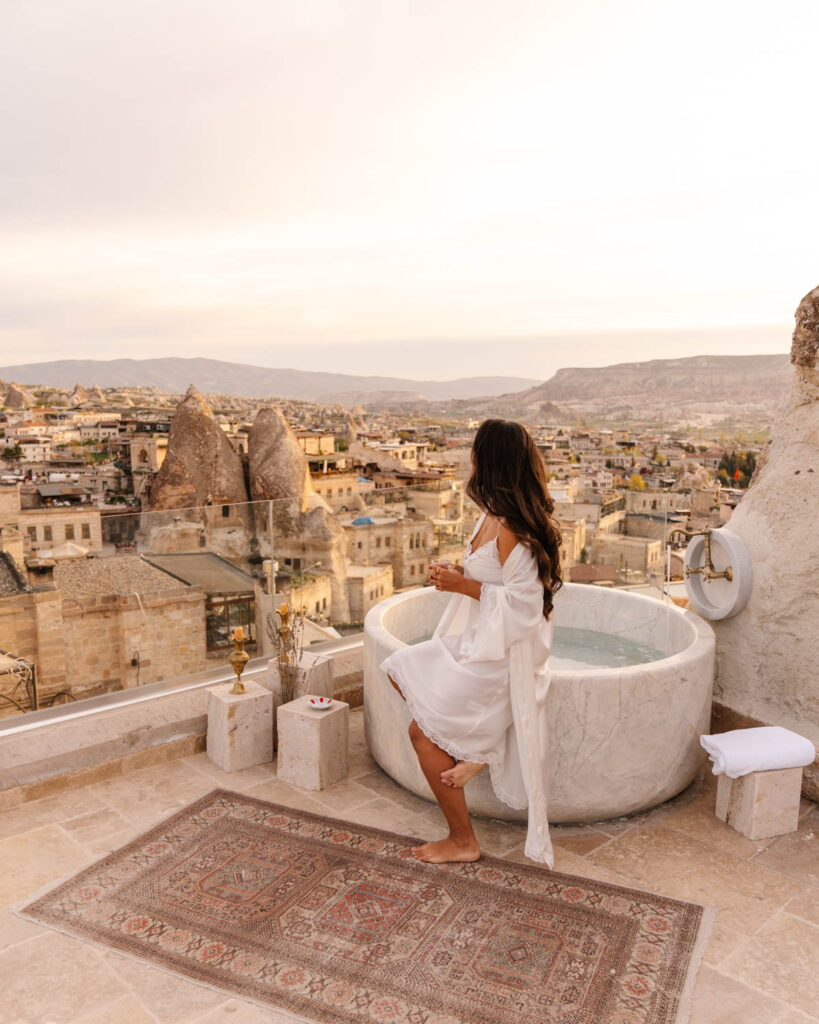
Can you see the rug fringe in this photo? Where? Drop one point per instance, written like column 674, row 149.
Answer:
column 706, row 926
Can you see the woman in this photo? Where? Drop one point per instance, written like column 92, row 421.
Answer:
column 477, row 689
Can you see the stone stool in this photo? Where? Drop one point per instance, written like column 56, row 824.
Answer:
column 761, row 804
column 240, row 726
column 312, row 744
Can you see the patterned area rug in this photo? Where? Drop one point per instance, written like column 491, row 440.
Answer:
column 337, row 922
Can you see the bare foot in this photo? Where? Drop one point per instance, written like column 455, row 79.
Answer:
column 460, row 773
column 447, row 850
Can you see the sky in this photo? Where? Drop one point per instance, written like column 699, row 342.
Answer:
column 424, row 188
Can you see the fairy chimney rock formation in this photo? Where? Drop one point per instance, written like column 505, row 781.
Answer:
column 78, row 395
column 278, row 467
column 201, row 466
column 17, row 397
column 768, row 653
column 279, row 471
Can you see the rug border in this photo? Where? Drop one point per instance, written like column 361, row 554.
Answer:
column 534, row 869
column 705, row 928
column 704, row 925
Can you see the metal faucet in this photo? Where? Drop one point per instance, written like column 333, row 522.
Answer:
column 707, row 571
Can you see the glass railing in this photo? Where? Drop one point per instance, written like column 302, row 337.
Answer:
column 105, row 600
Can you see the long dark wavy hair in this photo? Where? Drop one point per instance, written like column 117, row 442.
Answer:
column 509, row 481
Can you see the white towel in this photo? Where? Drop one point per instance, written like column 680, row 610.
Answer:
column 757, row 750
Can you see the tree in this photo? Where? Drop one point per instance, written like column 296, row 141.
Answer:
column 636, row 482
column 341, row 444
column 14, row 454
column 584, row 556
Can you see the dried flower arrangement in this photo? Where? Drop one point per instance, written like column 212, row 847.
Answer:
column 287, row 639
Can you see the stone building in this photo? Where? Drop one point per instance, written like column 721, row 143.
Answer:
column 404, row 543
column 101, row 625
column 635, row 554
column 366, row 586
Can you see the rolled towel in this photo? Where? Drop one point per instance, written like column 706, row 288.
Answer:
column 764, row 749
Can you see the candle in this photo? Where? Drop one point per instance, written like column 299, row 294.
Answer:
column 238, row 634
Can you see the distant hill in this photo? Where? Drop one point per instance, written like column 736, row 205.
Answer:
column 211, row 375
column 693, row 379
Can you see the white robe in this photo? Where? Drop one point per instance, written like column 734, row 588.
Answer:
column 502, row 637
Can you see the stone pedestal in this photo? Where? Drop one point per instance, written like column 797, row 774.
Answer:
column 316, row 679
column 761, row 804
column 240, row 726
column 313, row 744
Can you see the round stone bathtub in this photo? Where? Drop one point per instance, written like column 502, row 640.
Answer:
column 622, row 739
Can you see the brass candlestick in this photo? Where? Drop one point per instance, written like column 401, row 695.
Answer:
column 238, row 659
column 284, row 631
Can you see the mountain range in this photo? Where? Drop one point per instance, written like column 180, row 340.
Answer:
column 664, row 389
column 212, row 375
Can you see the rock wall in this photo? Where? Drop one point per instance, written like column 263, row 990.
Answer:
column 767, row 655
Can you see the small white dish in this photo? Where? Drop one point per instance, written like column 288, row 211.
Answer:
column 319, row 703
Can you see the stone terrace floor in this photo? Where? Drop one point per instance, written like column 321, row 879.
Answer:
column 761, row 965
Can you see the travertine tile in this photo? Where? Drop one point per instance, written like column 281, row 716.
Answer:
column 721, row 1000
column 14, row 929
column 722, row 941
column 666, row 861
column 697, row 819
column 343, row 796
column 231, row 780
column 66, row 805
column 382, row 785
column 53, row 979
column 238, row 1011
column 32, row 860
column 124, row 1011
column 580, row 844
column 95, row 825
column 782, row 959
column 279, row 792
column 797, row 854
column 360, row 762
column 383, row 813
column 147, row 796
column 171, row 998
column 806, row 904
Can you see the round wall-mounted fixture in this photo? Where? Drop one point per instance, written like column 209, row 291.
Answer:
column 718, row 598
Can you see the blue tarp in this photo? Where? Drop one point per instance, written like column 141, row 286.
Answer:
column 364, row 521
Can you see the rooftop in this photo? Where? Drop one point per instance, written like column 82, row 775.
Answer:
column 757, row 966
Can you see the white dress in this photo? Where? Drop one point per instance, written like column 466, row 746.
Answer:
column 478, row 688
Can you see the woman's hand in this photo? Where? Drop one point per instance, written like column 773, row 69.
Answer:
column 449, row 578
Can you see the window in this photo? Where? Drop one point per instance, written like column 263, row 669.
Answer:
column 387, row 541
column 359, row 545
column 329, row 492
column 48, row 533
column 226, row 511
column 411, row 542
column 412, row 570
column 378, row 542
column 86, row 531
column 349, row 490
column 32, row 532
column 69, row 531
column 223, row 616
column 143, row 456
column 324, row 604
column 318, row 607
